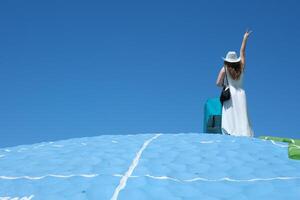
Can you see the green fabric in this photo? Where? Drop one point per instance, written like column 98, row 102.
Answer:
column 294, row 145
column 294, row 151
column 212, row 107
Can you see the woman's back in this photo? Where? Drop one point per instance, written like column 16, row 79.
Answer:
column 235, row 83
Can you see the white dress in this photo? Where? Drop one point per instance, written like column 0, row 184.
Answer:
column 235, row 119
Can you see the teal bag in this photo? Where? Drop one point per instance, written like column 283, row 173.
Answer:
column 212, row 116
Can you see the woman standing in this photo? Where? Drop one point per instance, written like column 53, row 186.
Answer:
column 235, row 119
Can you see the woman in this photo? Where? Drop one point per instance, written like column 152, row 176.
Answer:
column 235, row 120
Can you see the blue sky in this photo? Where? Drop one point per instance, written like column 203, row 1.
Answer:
column 84, row 68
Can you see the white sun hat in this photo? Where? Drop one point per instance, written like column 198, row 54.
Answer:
column 232, row 57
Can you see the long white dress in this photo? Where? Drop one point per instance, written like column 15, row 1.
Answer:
column 235, row 119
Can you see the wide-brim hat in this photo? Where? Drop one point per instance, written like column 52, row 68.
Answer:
column 232, row 57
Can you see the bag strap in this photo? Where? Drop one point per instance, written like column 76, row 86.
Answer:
column 226, row 76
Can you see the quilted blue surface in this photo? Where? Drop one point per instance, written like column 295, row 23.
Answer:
column 150, row 166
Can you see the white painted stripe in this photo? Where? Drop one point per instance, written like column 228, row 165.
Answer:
column 212, row 141
column 220, row 179
column 241, row 180
column 49, row 175
column 163, row 178
column 17, row 198
column 133, row 165
column 207, row 142
column 118, row 175
column 280, row 145
column 121, row 175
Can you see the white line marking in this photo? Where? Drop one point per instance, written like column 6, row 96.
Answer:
column 207, row 142
column 49, row 175
column 118, row 175
column 241, row 180
column 280, row 145
column 121, row 175
column 133, row 165
column 163, row 178
column 17, row 198
column 220, row 179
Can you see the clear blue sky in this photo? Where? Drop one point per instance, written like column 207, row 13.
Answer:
column 84, row 68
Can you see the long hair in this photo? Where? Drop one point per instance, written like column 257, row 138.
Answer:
column 235, row 69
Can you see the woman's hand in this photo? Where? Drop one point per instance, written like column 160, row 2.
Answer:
column 247, row 33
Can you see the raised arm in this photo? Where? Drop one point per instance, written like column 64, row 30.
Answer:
column 243, row 47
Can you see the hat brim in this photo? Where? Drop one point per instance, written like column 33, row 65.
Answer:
column 232, row 60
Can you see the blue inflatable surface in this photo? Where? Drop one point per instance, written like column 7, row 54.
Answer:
column 150, row 166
